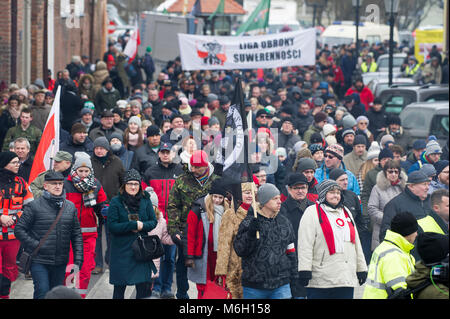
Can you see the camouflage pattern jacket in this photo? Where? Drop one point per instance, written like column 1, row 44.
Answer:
column 185, row 191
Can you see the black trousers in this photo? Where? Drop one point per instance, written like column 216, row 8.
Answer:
column 143, row 290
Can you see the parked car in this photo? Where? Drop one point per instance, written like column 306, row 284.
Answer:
column 383, row 62
column 380, row 84
column 422, row 119
column 397, row 96
column 369, row 76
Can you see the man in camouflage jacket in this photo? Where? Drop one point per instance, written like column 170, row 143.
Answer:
column 194, row 183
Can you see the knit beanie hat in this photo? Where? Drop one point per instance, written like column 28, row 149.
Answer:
column 440, row 165
column 362, row 118
column 336, row 150
column 324, row 187
column 153, row 196
column 199, row 159
column 77, row 128
column 385, row 153
column 316, row 138
column 213, row 120
column 348, row 121
column 298, row 146
column 218, row 187
column 132, row 175
column 374, row 151
column 328, row 129
column 320, row 116
column 116, row 135
column 281, row 151
column 82, row 159
column 153, row 130
column 306, row 163
column 266, row 192
column 330, row 140
column 315, row 148
column 360, row 139
column 101, row 141
column 428, row 170
column 433, row 147
column 135, row 119
column 6, row 157
column 432, row 247
column 335, row 173
column 296, row 179
column 404, row 223
column 385, row 139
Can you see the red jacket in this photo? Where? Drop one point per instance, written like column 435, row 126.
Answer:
column 195, row 237
column 338, row 75
column 86, row 215
column 365, row 95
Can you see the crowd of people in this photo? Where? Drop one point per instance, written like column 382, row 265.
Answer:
column 335, row 201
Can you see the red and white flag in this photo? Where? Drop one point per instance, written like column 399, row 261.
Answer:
column 49, row 144
column 133, row 43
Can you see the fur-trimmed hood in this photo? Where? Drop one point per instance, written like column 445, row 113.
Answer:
column 383, row 183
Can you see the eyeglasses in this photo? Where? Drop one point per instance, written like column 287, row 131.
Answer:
column 392, row 171
column 329, row 156
column 263, row 116
column 363, row 123
column 133, row 184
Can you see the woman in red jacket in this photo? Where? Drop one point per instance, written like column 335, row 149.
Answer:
column 86, row 192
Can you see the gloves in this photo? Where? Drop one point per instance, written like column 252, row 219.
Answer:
column 304, row 277
column 189, row 262
column 221, row 280
column 253, row 227
column 362, row 276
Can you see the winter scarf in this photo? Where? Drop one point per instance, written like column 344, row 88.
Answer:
column 56, row 201
column 202, row 179
column 218, row 212
column 87, row 187
column 133, row 139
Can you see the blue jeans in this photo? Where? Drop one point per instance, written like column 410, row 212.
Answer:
column 182, row 280
column 163, row 284
column 330, row 293
column 283, row 292
column 46, row 277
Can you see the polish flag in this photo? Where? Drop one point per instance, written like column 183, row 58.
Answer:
column 49, row 144
column 133, row 43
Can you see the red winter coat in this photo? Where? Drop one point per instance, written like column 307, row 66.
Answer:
column 365, row 95
column 338, row 75
column 86, row 215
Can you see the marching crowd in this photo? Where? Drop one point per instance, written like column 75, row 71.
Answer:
column 335, row 201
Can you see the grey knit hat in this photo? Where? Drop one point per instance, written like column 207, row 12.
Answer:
column 433, row 147
column 116, row 135
column 82, row 159
column 135, row 119
column 306, row 163
column 428, row 169
column 153, row 196
column 324, row 187
column 266, row 192
column 101, row 141
column 348, row 121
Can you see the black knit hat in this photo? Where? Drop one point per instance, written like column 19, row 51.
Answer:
column 132, row 175
column 6, row 157
column 296, row 179
column 432, row 247
column 404, row 224
column 335, row 173
column 218, row 187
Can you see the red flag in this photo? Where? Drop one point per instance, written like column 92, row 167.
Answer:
column 49, row 144
column 133, row 43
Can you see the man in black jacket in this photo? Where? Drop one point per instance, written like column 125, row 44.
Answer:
column 49, row 265
column 293, row 208
column 269, row 264
column 414, row 199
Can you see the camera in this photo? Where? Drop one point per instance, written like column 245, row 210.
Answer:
column 439, row 272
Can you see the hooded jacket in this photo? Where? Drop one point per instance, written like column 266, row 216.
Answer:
column 421, row 274
column 381, row 194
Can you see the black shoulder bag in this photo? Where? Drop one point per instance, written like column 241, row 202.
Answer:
column 26, row 258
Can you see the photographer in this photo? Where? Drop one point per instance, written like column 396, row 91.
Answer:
column 433, row 248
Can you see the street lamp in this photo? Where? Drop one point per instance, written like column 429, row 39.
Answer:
column 356, row 5
column 391, row 9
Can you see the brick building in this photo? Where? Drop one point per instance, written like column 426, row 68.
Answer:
column 38, row 35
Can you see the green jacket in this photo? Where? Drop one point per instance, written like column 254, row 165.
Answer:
column 420, row 274
column 32, row 134
column 105, row 99
column 309, row 132
column 184, row 192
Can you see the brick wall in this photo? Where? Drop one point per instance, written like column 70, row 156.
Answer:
column 37, row 38
column 5, row 41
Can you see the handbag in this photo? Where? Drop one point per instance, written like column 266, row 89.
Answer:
column 147, row 248
column 25, row 259
column 215, row 291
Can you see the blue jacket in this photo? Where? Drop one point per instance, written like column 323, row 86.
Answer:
column 322, row 173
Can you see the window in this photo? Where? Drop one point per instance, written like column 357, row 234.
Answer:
column 440, row 126
column 437, row 97
column 413, row 119
column 396, row 101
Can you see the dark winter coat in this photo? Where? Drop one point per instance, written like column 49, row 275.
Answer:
column 71, row 106
column 377, row 120
column 124, row 269
column 36, row 220
column 293, row 211
column 70, row 147
column 303, row 122
column 6, row 122
column 266, row 263
column 127, row 157
column 145, row 158
column 110, row 174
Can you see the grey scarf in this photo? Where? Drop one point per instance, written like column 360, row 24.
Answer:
column 218, row 212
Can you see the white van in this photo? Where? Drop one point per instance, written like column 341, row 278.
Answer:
column 344, row 32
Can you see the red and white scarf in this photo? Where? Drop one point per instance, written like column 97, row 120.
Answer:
column 337, row 228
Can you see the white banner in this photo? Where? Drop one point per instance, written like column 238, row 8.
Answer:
column 264, row 51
